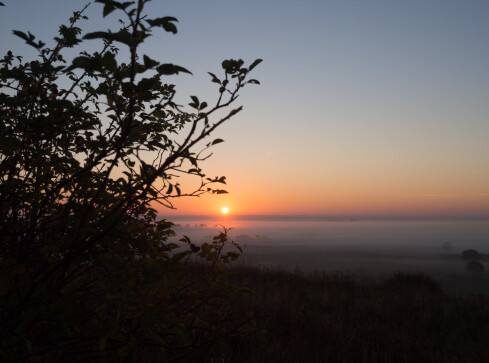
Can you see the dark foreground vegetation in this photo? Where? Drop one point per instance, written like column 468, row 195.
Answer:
column 405, row 317
column 90, row 147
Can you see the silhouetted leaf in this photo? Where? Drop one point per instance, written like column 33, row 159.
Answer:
column 217, row 141
column 85, row 63
column 235, row 111
column 122, row 36
column 185, row 239
column 255, row 63
column 108, row 9
column 169, row 69
column 222, row 180
column 96, row 35
column 111, row 5
column 164, row 22
column 148, row 62
column 69, row 35
column 214, row 78
column 21, row 35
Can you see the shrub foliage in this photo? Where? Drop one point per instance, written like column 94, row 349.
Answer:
column 88, row 149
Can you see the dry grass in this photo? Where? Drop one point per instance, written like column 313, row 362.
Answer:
column 405, row 317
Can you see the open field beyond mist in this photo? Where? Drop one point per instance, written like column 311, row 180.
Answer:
column 363, row 248
column 447, row 269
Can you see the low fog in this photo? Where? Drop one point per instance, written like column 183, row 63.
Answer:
column 358, row 247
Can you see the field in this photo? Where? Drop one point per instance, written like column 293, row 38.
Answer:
column 448, row 269
column 336, row 317
column 360, row 292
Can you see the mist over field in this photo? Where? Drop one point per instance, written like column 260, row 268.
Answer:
column 360, row 246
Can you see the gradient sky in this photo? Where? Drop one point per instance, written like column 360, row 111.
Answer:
column 365, row 107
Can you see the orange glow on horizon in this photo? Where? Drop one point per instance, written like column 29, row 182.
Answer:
column 345, row 194
column 339, row 203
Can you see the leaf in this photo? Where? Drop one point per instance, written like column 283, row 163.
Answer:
column 108, row 8
column 217, row 141
column 95, row 35
column 255, row 63
column 221, row 191
column 122, row 36
column 69, row 35
column 170, row 189
column 148, row 62
column 111, row 5
column 195, row 99
column 214, row 78
column 21, row 34
column 85, row 63
column 169, row 69
column 253, row 81
column 185, row 239
column 165, row 22
column 221, row 180
column 235, row 111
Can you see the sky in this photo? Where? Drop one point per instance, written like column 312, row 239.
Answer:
column 364, row 108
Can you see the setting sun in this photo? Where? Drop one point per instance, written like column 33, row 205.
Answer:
column 225, row 210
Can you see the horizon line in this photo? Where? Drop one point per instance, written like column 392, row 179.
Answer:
column 328, row 217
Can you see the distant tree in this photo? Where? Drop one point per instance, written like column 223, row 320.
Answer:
column 475, row 266
column 471, row 254
column 87, row 151
column 447, row 246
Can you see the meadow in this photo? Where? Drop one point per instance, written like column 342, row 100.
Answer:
column 334, row 317
column 358, row 292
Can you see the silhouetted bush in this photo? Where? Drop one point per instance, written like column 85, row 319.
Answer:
column 88, row 152
column 471, row 254
column 475, row 266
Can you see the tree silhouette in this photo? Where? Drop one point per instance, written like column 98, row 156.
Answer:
column 87, row 152
column 471, row 254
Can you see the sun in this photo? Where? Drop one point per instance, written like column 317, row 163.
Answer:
column 225, row 210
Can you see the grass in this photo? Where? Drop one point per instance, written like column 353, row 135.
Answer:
column 317, row 317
